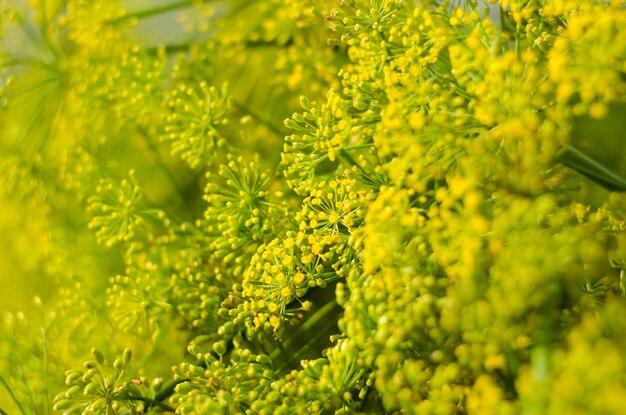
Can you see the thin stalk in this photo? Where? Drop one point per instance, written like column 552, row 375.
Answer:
column 153, row 349
column 166, row 391
column 161, row 162
column 312, row 343
column 251, row 44
column 308, row 325
column 45, row 24
column 267, row 43
column 181, row 4
column 177, row 47
column 359, row 147
column 18, row 61
column 12, row 395
column 501, row 15
column 347, row 157
column 518, row 41
column 319, row 314
column 150, row 402
column 256, row 117
column 284, row 353
column 46, row 403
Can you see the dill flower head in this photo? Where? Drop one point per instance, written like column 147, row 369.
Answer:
column 138, row 300
column 244, row 209
column 238, row 199
column 217, row 384
column 117, row 212
column 101, row 387
column 442, row 234
column 332, row 208
column 587, row 60
column 195, row 120
column 323, row 136
column 277, row 277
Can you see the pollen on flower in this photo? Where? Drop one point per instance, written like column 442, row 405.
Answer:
column 436, row 227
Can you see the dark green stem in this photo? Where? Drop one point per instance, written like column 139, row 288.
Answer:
column 251, row 44
column 165, row 392
column 179, row 47
column 321, row 314
column 328, row 312
column 350, row 160
column 283, row 351
column 591, row 168
column 312, row 343
column 267, row 43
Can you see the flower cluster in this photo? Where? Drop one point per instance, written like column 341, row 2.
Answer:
column 197, row 113
column 116, row 210
column 216, row 385
column 241, row 210
column 436, row 227
column 138, row 300
column 100, row 388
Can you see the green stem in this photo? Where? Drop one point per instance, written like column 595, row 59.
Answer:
column 267, row 43
column 326, row 312
column 256, row 117
column 45, row 369
column 283, row 351
column 167, row 390
column 160, row 161
column 359, row 147
column 178, row 47
column 149, row 402
column 518, row 40
column 3, row 412
column 12, row 395
column 348, row 158
column 18, row 61
column 181, row 4
column 320, row 314
column 592, row 169
column 312, row 342
column 45, row 23
column 251, row 44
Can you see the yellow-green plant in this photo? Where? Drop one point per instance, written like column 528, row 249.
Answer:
column 312, row 206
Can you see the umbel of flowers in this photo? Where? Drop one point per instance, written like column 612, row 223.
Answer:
column 312, row 207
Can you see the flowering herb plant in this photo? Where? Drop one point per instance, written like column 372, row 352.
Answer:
column 313, row 206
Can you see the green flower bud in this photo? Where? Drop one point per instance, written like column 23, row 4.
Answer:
column 219, row 347
column 63, row 404
column 126, row 356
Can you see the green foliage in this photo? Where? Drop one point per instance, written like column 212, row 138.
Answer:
column 311, row 207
